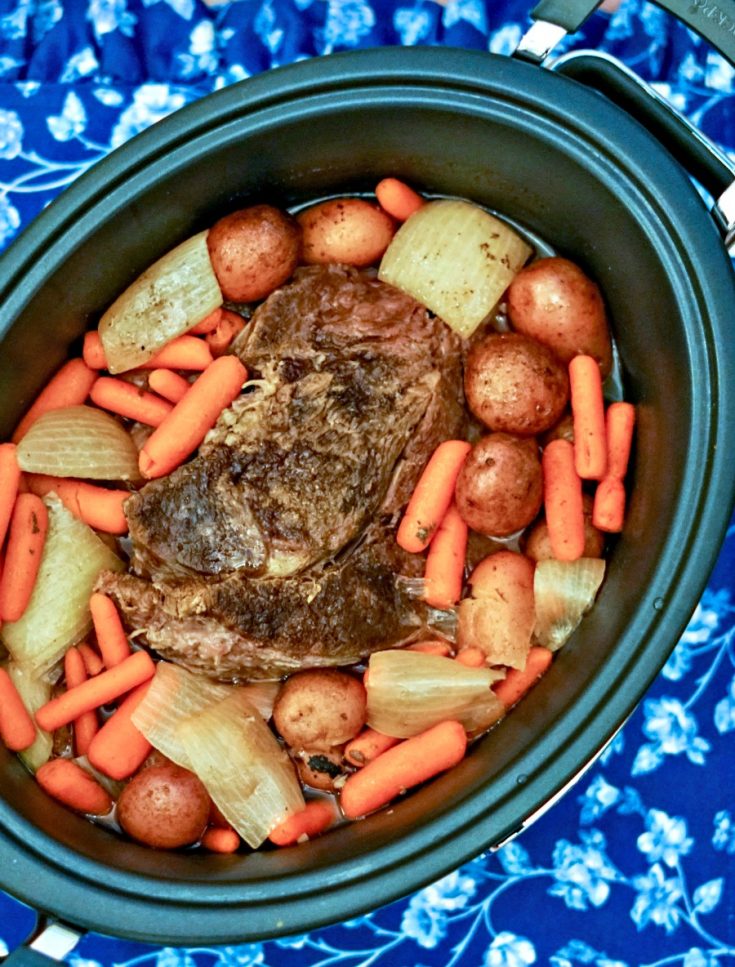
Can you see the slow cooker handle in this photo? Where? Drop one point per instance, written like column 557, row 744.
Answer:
column 713, row 19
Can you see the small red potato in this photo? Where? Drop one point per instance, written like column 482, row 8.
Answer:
column 537, row 546
column 164, row 806
column 515, row 384
column 320, row 770
column 319, row 709
column 347, row 230
column 498, row 616
column 499, row 489
column 253, row 251
column 552, row 300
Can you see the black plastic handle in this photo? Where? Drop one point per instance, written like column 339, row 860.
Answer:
column 27, row 957
column 712, row 19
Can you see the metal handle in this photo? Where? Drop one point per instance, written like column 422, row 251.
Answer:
column 712, row 19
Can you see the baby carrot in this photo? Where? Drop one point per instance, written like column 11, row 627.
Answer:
column 28, row 527
column 518, row 681
column 471, row 656
column 432, row 496
column 445, row 561
column 97, row 506
column 220, row 840
column 563, row 501
column 188, row 423
column 588, row 414
column 92, row 661
column 313, row 819
column 86, row 725
column 405, row 765
column 119, row 748
column 219, row 340
column 130, row 401
column 66, row 781
column 608, row 508
column 397, row 199
column 367, row 746
column 69, row 387
column 97, row 691
column 17, row 729
column 442, row 648
column 9, row 483
column 619, row 424
column 207, row 324
column 168, row 384
column 111, row 638
column 184, row 352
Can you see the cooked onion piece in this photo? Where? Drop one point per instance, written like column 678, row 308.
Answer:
column 58, row 613
column 564, row 591
column 34, row 692
column 79, row 441
column 170, row 297
column 409, row 691
column 456, row 259
column 244, row 768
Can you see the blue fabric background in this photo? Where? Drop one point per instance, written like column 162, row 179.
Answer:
column 635, row 865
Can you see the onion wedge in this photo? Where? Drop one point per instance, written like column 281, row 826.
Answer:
column 563, row 592
column 58, row 613
column 79, row 441
column 455, row 258
column 174, row 294
column 410, row 691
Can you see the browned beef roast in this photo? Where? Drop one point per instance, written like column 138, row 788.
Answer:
column 275, row 548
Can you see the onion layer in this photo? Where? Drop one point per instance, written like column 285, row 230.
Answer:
column 563, row 592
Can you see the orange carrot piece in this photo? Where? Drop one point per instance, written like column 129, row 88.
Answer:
column 208, row 323
column 398, row 199
column 588, row 414
column 367, row 746
column 92, row 661
column 405, row 765
column 17, row 729
column 184, row 352
column 130, row 401
column 230, row 324
column 518, row 681
column 619, row 425
column 84, row 727
column 28, row 527
column 111, row 638
column 432, row 496
column 471, row 656
column 67, row 782
column 9, row 483
column 442, row 648
column 119, row 748
column 168, row 384
column 188, row 423
column 608, row 508
column 69, row 387
column 317, row 816
column 445, row 561
column 563, row 501
column 97, row 691
column 97, row 506
column 220, row 840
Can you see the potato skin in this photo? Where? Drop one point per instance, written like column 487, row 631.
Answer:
column 500, row 488
column 515, row 384
column 253, row 251
column 319, row 709
column 552, row 300
column 347, row 230
column 164, row 806
column 320, row 770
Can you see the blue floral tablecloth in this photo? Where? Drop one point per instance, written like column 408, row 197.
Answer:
column 636, row 864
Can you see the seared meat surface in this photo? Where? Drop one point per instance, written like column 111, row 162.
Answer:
column 274, row 548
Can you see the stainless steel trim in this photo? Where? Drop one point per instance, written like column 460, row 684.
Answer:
column 724, row 212
column 539, row 40
column 56, row 941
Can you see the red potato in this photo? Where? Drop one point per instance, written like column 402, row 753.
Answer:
column 253, row 251
column 347, row 230
column 319, row 709
column 164, row 806
column 537, row 546
column 552, row 300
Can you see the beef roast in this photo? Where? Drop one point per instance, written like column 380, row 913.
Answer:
column 274, row 548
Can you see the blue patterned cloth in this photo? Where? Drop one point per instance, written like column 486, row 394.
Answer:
column 635, row 865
